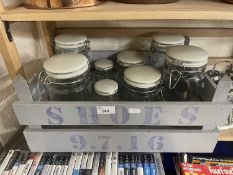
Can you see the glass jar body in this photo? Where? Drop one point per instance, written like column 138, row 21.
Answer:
column 104, row 74
column 72, row 89
column 120, row 74
column 99, row 97
column 81, row 48
column 182, row 82
column 157, row 55
column 130, row 93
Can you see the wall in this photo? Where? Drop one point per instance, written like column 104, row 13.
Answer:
column 102, row 39
column 29, row 45
column 216, row 46
column 8, row 123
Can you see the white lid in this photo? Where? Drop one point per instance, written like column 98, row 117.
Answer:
column 66, row 65
column 167, row 39
column 142, row 76
column 129, row 58
column 104, row 64
column 69, row 40
column 106, row 87
column 190, row 56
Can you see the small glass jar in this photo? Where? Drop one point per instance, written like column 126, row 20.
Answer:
column 127, row 59
column 104, row 70
column 66, row 77
column 185, row 69
column 158, row 48
column 142, row 83
column 106, row 90
column 72, row 43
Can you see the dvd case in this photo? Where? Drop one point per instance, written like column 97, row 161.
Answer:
column 22, row 162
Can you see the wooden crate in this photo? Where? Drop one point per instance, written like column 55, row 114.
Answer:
column 122, row 126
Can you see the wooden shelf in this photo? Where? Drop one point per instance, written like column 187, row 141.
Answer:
column 185, row 9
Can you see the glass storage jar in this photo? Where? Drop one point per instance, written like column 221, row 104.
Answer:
column 185, row 68
column 127, row 59
column 75, row 43
column 66, row 77
column 142, row 83
column 106, row 90
column 159, row 45
column 104, row 70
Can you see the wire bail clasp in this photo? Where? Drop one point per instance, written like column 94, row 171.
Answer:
column 174, row 72
column 159, row 91
column 87, row 49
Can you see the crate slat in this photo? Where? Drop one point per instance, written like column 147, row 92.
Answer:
column 125, row 140
column 205, row 114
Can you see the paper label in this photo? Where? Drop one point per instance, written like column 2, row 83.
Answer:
column 134, row 110
column 106, row 109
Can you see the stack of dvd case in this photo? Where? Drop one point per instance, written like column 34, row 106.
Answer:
column 21, row 162
column 203, row 164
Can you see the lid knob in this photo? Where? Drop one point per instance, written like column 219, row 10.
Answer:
column 104, row 64
column 142, row 76
column 66, row 65
column 70, row 40
column 168, row 39
column 106, row 87
column 130, row 58
column 189, row 56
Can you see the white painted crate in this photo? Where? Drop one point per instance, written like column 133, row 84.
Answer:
column 136, row 126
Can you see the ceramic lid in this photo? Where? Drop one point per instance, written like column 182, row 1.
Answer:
column 142, row 76
column 69, row 40
column 167, row 39
column 104, row 64
column 106, row 87
column 66, row 65
column 129, row 58
column 190, row 56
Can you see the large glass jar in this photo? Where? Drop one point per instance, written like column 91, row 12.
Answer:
column 127, row 59
column 66, row 77
column 185, row 66
column 106, row 90
column 72, row 43
column 104, row 70
column 142, row 83
column 159, row 45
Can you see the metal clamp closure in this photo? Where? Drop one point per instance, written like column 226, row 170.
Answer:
column 159, row 91
column 175, row 74
column 47, row 80
column 8, row 32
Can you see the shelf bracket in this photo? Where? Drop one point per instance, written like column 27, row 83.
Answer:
column 9, row 51
column 187, row 40
column 7, row 29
